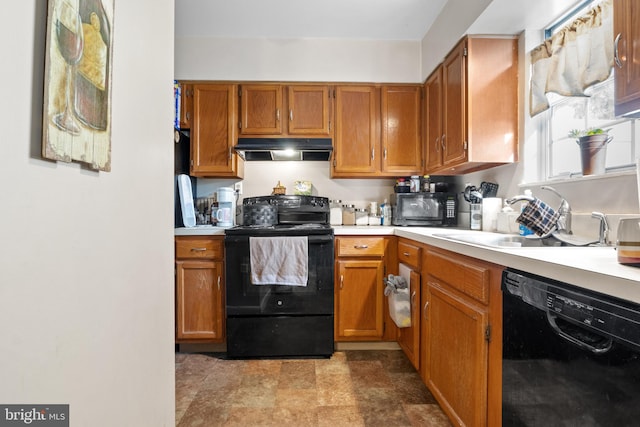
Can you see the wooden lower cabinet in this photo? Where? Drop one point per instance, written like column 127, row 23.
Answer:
column 199, row 289
column 359, row 298
column 361, row 309
column 461, row 336
column 409, row 254
column 456, row 355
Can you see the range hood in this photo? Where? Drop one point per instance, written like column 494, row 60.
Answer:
column 284, row 148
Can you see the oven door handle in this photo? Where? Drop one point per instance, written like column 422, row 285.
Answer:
column 551, row 318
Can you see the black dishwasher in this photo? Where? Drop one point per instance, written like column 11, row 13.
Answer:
column 570, row 355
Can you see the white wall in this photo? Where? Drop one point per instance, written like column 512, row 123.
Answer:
column 86, row 290
column 452, row 23
column 324, row 60
column 261, row 177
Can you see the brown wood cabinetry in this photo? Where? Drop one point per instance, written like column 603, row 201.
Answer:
column 461, row 330
column 377, row 131
column 186, row 105
column 357, row 131
column 359, row 290
column 306, row 110
column 401, row 133
column 475, row 125
column 410, row 254
column 213, row 132
column 627, row 68
column 199, row 289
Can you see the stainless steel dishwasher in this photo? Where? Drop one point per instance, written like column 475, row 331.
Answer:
column 570, row 355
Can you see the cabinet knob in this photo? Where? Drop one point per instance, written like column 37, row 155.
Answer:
column 278, row 114
column 360, row 246
column 437, row 144
column 198, row 249
column 424, row 310
column 405, row 253
column 291, row 115
column 341, row 281
column 219, row 283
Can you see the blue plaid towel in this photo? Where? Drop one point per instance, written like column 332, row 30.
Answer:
column 538, row 217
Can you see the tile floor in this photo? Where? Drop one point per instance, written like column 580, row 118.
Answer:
column 353, row 388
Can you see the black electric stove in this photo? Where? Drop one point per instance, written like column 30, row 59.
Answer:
column 276, row 320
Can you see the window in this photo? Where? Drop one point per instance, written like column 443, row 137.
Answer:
column 593, row 110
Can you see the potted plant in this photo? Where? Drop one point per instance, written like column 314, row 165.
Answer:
column 593, row 148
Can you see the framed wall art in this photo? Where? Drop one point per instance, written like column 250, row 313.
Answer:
column 77, row 83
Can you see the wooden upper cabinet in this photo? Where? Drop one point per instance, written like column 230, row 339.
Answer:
column 479, row 107
column 433, row 120
column 454, row 138
column 378, row 131
column 357, row 133
column 627, row 68
column 309, row 110
column 275, row 110
column 186, row 105
column 401, row 123
column 213, row 132
column 261, row 110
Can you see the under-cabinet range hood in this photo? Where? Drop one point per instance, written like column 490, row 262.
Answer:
column 284, row 148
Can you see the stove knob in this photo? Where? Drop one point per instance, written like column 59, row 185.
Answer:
column 279, row 303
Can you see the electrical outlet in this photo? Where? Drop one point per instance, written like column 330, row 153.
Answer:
column 238, row 187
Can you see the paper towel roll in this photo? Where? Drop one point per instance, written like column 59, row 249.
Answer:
column 490, row 208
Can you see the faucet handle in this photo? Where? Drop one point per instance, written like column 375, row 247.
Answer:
column 604, row 227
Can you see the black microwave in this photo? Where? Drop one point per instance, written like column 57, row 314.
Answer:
column 425, row 209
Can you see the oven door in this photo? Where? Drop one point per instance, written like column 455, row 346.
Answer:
column 246, row 299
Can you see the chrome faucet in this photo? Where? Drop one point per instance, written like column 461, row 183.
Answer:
column 564, row 222
column 604, row 228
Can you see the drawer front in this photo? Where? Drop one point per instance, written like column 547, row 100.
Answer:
column 409, row 254
column 360, row 246
column 470, row 279
column 199, row 248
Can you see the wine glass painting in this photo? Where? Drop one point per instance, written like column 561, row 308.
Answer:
column 77, row 87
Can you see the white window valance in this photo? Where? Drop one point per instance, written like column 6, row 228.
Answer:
column 576, row 57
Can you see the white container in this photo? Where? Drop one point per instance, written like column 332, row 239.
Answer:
column 491, row 206
column 226, row 207
column 475, row 216
column 362, row 217
column 335, row 212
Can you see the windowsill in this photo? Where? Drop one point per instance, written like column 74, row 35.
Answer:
column 579, row 178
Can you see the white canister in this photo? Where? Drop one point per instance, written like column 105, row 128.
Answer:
column 491, row 206
column 475, row 216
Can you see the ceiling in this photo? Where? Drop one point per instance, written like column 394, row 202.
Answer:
column 351, row 19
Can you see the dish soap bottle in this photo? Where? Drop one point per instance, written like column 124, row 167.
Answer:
column 525, row 231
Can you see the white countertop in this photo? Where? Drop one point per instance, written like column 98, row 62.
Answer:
column 594, row 268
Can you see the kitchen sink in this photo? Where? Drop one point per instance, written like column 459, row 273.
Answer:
column 495, row 240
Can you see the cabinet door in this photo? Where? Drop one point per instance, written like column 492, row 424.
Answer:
column 309, row 110
column 457, row 355
column 186, row 105
column 401, row 143
column 627, row 77
column 260, row 110
column 359, row 298
column 213, row 133
column 409, row 338
column 433, row 120
column 454, row 106
column 199, row 300
column 357, row 137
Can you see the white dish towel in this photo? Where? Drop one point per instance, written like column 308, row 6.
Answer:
column 281, row 260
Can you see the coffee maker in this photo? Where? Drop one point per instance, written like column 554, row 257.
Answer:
column 226, row 212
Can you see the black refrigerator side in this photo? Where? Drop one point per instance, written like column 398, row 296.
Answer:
column 182, row 162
